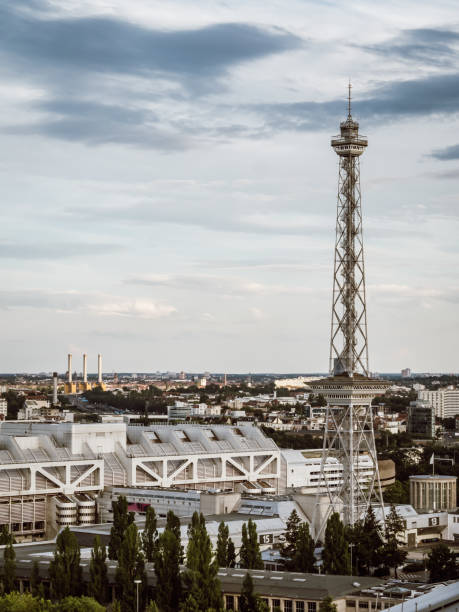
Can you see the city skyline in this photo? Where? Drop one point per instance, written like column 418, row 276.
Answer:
column 169, row 191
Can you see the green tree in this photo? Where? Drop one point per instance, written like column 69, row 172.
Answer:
column 392, row 554
column 335, row 555
column 23, row 602
column 152, row 607
column 226, row 555
column 190, row 604
column 121, row 521
column 35, row 580
column 201, row 574
column 303, row 559
column 131, row 566
column 442, row 563
column 79, row 604
column 327, row 605
column 150, row 535
column 173, row 524
column 9, row 568
column 368, row 543
column 249, row 554
column 98, row 580
column 231, row 553
column 167, row 569
column 398, row 493
column 5, row 536
column 64, row 570
column 291, row 537
column 249, row 600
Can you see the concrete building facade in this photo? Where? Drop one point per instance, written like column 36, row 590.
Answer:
column 433, row 493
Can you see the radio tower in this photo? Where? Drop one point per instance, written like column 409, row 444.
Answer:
column 349, row 435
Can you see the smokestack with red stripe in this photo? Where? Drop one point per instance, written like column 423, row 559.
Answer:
column 54, row 388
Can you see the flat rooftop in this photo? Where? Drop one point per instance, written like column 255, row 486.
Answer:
column 432, row 477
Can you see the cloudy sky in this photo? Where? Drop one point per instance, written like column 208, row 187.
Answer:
column 168, row 190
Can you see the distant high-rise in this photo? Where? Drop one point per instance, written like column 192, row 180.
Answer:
column 349, row 390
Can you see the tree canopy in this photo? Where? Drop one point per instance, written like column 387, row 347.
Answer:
column 64, row 570
column 335, row 555
column 250, row 556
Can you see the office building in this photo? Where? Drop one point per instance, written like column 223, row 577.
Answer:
column 421, row 419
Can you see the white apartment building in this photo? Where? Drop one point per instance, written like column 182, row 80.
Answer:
column 445, row 401
column 3, row 408
column 300, row 469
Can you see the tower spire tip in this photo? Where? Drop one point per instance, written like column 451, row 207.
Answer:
column 349, row 98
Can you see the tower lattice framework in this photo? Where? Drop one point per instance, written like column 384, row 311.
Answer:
column 349, row 433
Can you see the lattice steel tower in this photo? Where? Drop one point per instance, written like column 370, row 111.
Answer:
column 349, row 435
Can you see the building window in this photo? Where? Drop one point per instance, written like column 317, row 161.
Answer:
column 288, row 605
column 229, row 602
column 276, row 605
column 363, row 605
column 299, row 606
column 312, row 606
column 350, row 603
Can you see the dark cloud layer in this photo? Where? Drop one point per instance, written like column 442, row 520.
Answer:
column 56, row 49
column 447, row 153
column 67, row 55
column 430, row 95
column 108, row 45
column 96, row 123
column 425, row 45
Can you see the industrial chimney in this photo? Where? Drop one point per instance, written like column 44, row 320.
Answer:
column 99, row 369
column 85, row 368
column 54, row 388
column 69, row 367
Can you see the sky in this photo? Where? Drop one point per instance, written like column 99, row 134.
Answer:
column 168, row 189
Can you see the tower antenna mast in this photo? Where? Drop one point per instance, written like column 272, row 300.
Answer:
column 349, row 390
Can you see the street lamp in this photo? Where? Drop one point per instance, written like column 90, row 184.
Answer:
column 137, row 582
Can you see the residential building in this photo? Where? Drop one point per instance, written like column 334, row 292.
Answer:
column 445, row 401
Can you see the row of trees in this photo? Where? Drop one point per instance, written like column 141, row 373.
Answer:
column 197, row 589
column 363, row 549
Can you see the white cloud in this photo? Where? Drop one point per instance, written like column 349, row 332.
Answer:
column 75, row 302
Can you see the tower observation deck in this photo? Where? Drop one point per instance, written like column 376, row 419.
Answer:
column 349, row 390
